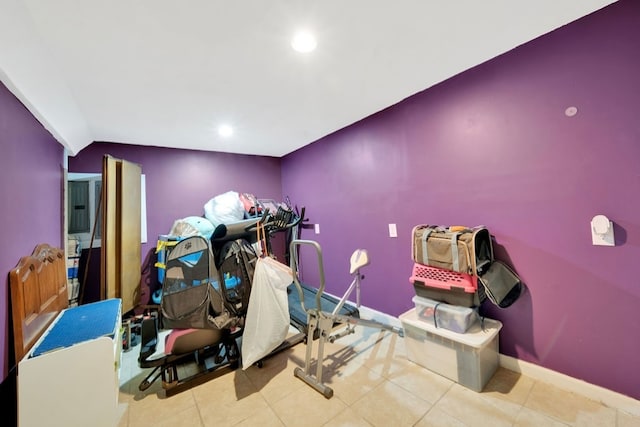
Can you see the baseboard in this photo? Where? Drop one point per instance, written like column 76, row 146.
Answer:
column 371, row 314
column 565, row 382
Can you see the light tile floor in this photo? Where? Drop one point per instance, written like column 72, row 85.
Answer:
column 374, row 385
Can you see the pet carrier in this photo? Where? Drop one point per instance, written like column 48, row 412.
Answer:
column 192, row 296
column 460, row 249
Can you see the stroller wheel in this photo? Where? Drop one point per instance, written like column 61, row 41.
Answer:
column 220, row 354
column 169, row 377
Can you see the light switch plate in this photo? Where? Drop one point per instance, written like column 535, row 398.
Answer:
column 393, row 230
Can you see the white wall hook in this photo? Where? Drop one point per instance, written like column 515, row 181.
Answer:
column 602, row 231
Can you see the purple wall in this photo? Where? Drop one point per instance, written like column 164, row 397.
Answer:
column 493, row 146
column 180, row 182
column 31, row 193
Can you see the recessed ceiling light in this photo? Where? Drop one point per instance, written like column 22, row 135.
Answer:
column 304, row 42
column 225, row 131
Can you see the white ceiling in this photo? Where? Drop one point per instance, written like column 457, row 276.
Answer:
column 167, row 72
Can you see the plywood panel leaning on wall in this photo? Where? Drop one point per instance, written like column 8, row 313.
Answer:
column 121, row 251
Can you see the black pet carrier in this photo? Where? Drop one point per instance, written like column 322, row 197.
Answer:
column 236, row 263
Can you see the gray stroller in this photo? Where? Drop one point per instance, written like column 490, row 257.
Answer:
column 201, row 314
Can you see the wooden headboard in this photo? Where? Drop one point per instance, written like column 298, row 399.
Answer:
column 38, row 294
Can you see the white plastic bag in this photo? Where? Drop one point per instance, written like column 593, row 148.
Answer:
column 225, row 208
column 267, row 321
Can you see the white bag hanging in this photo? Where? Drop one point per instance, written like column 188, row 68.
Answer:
column 267, row 320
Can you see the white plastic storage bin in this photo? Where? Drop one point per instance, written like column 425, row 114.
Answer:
column 470, row 359
column 455, row 318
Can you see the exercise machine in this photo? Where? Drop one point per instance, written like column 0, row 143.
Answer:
column 327, row 315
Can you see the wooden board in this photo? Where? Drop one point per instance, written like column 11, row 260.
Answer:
column 121, row 250
column 38, row 294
